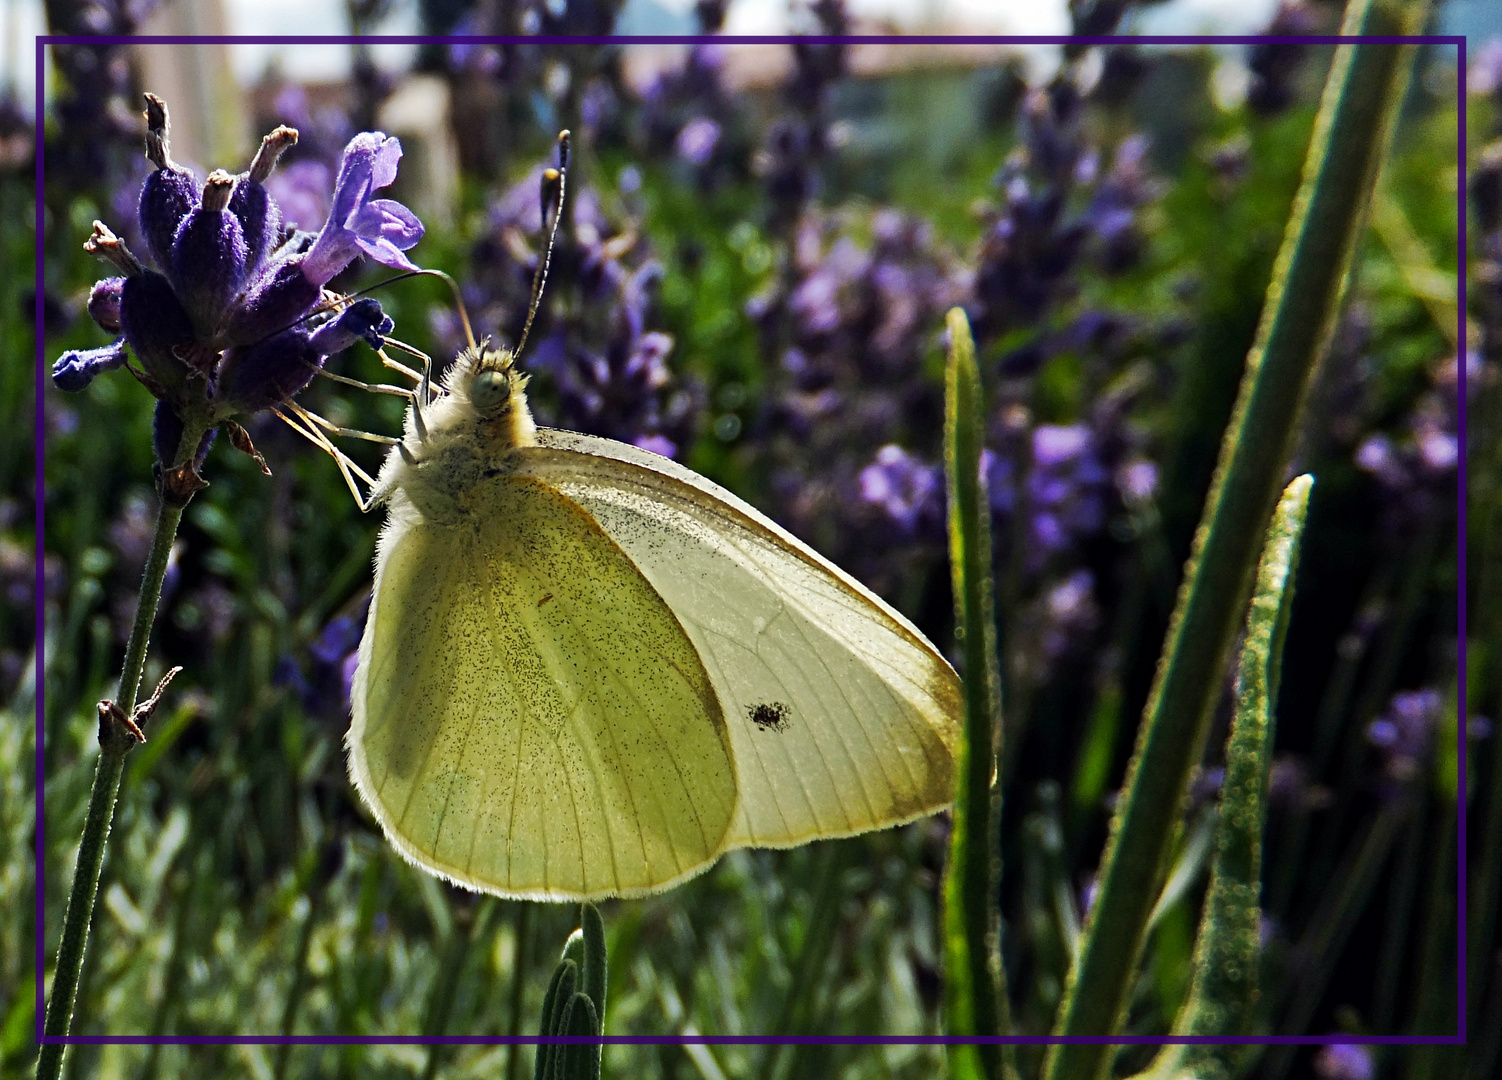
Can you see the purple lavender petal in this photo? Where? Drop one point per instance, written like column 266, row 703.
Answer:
column 382, row 228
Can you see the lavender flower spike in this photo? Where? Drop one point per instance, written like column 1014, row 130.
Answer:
column 380, row 228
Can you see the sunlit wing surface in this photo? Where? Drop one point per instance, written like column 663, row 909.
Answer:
column 529, row 717
column 842, row 717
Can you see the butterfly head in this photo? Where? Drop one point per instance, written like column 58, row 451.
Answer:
column 497, row 392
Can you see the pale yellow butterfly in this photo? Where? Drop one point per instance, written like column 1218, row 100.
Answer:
column 588, row 671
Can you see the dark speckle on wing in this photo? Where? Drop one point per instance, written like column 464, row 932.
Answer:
column 770, row 716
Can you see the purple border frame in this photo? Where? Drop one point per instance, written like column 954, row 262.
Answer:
column 1462, row 710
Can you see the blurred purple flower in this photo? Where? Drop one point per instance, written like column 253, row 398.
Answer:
column 1484, row 76
column 605, row 370
column 906, row 490
column 1067, row 614
column 1404, row 732
column 302, row 191
column 1137, row 481
column 1419, row 457
column 1065, row 488
column 1345, row 1061
column 697, row 141
column 324, row 688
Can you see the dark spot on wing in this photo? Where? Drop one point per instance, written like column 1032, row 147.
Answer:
column 770, row 716
column 545, row 598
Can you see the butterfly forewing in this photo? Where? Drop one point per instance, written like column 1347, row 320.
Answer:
column 530, row 718
column 842, row 717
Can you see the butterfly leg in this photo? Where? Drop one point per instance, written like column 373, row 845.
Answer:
column 424, row 381
column 307, row 425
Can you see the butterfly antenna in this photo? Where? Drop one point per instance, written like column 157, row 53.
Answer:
column 552, row 192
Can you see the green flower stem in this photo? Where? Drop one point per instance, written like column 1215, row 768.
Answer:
column 974, row 984
column 114, row 743
column 1350, row 138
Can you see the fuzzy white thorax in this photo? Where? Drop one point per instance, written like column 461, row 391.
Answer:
column 461, row 441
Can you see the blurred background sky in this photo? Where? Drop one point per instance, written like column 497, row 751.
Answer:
column 23, row 20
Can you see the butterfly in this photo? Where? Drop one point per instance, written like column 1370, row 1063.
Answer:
column 588, row 671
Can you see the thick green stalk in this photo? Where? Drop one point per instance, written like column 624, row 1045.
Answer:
column 1228, row 947
column 1351, row 135
column 973, row 980
column 114, row 743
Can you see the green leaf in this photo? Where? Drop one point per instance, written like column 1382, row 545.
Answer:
column 975, row 1000
column 554, row 1003
column 595, row 969
column 580, row 1061
column 1227, row 954
column 1351, row 135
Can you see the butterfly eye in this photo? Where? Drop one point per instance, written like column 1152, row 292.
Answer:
column 490, row 392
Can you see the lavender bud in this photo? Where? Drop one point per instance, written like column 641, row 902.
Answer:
column 281, row 296
column 157, row 327
column 260, row 219
column 76, row 368
column 209, row 256
column 170, row 193
column 166, row 431
column 361, row 321
column 104, row 303
column 257, row 376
